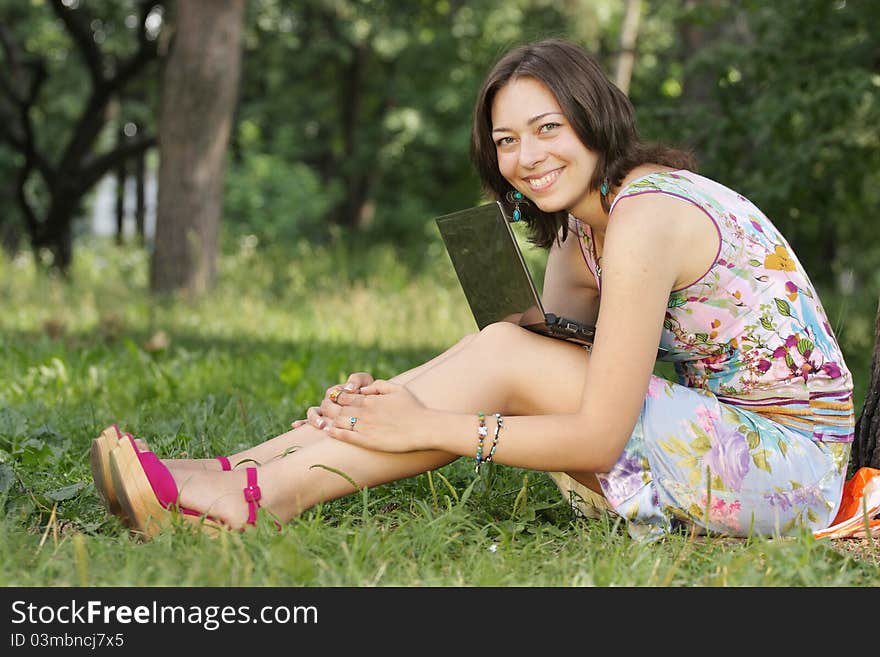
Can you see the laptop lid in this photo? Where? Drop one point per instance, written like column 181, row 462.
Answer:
column 495, row 277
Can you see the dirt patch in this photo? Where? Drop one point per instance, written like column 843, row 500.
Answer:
column 863, row 549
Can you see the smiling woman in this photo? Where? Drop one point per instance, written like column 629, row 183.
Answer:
column 753, row 438
column 540, row 147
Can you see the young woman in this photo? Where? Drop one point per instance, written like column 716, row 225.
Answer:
column 754, row 437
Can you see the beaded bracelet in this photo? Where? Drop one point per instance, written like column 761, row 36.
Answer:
column 499, row 422
column 482, row 432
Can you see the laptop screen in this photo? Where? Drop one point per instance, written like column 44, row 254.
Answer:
column 489, row 266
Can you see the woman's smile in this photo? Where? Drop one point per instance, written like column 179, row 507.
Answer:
column 542, row 182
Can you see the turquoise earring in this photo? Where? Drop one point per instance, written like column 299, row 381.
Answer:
column 516, row 198
column 517, row 215
column 603, row 189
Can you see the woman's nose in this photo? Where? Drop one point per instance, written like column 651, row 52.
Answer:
column 531, row 153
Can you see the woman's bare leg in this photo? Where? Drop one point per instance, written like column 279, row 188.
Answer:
column 299, row 438
column 505, row 368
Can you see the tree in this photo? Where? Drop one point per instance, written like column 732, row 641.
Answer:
column 866, row 447
column 629, row 33
column 199, row 92
column 66, row 174
column 367, row 104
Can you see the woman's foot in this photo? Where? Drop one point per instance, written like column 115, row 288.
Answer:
column 112, row 438
column 154, row 497
column 216, row 464
column 217, row 495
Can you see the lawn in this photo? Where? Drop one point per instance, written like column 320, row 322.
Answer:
column 211, row 376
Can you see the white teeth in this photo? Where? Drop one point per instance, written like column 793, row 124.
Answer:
column 537, row 183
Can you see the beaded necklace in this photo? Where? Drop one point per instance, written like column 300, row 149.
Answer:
column 597, row 259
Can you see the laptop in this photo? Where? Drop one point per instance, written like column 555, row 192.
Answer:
column 495, row 278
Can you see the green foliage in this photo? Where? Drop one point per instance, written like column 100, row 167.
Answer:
column 781, row 103
column 357, row 112
column 283, row 324
column 60, row 118
column 268, row 196
column 375, row 98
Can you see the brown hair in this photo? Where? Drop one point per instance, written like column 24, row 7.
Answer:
column 600, row 114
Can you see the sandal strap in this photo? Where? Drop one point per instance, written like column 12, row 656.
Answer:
column 252, row 495
column 224, row 462
column 161, row 480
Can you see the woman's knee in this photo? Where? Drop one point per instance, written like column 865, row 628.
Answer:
column 501, row 334
column 503, row 339
column 538, row 374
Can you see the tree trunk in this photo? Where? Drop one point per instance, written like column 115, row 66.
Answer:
column 698, row 89
column 628, row 35
column 349, row 212
column 58, row 234
column 694, row 37
column 199, row 93
column 120, row 193
column 140, row 203
column 10, row 236
column 866, row 447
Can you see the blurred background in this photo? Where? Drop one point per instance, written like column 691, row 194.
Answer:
column 286, row 126
column 355, row 113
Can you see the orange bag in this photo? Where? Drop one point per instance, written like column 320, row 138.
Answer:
column 859, row 507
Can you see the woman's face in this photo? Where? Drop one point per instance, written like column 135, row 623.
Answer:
column 538, row 151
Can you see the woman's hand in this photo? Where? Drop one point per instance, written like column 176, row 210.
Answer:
column 385, row 416
column 317, row 416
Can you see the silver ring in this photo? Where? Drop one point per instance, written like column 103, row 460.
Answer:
column 351, row 422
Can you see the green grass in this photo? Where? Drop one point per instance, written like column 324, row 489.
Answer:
column 282, row 325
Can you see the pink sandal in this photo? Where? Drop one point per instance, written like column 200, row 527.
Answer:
column 149, row 496
column 99, row 458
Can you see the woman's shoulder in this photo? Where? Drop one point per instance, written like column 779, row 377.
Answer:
column 671, row 192
column 646, row 180
column 712, row 197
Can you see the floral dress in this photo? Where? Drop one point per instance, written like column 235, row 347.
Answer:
column 754, row 437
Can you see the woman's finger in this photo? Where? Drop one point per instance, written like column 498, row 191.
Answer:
column 315, row 418
column 345, row 435
column 328, row 409
column 379, row 387
column 350, row 399
column 358, row 380
column 333, row 392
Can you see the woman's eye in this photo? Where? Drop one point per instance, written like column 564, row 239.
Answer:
column 547, row 127
column 505, row 141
